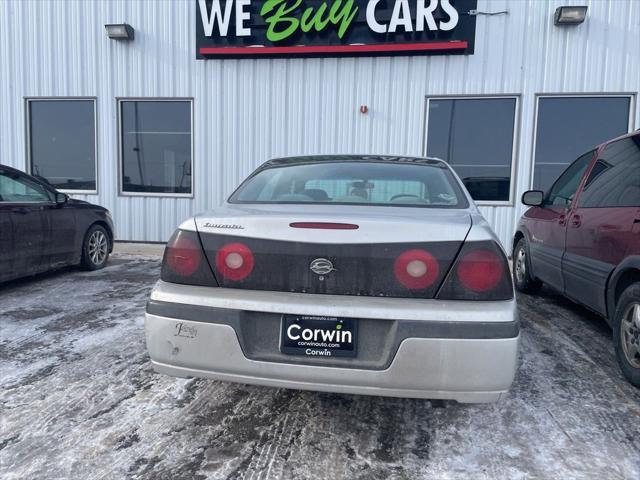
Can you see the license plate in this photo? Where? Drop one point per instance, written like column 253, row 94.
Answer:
column 315, row 336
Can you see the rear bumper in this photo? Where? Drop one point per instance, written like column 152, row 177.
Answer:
column 465, row 360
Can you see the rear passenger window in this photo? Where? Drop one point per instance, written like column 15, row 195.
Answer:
column 614, row 180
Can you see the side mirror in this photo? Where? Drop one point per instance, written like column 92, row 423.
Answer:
column 533, row 198
column 61, row 198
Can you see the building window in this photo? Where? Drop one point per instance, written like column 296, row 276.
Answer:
column 156, row 147
column 62, row 142
column 569, row 126
column 476, row 137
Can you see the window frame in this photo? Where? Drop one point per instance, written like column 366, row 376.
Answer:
column 121, row 192
column 517, row 123
column 29, row 160
column 632, row 108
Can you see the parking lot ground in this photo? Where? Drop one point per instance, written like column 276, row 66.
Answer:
column 79, row 400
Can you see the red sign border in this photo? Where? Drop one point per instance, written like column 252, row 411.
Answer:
column 259, row 51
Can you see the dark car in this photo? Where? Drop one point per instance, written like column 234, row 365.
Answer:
column 42, row 229
column 582, row 238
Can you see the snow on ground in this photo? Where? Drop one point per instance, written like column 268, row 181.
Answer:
column 79, row 399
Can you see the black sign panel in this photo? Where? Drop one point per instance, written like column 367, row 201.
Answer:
column 316, row 336
column 302, row 28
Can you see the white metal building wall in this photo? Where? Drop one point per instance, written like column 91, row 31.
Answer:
column 247, row 111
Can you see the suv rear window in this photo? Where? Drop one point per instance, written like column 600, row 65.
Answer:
column 354, row 183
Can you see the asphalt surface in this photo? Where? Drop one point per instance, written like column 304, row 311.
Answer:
column 79, row 400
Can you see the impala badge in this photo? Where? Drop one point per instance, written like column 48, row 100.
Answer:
column 221, row 225
column 321, row 266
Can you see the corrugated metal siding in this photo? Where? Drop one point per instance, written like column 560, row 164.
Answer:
column 246, row 111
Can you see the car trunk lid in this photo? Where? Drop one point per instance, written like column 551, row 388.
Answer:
column 367, row 254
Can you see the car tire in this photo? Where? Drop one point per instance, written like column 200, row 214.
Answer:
column 522, row 278
column 626, row 333
column 95, row 248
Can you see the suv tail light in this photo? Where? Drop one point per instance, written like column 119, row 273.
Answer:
column 481, row 272
column 184, row 261
column 235, row 261
column 416, row 269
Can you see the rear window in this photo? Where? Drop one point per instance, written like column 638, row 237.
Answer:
column 354, row 183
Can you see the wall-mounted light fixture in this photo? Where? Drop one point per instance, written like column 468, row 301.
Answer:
column 120, row 31
column 570, row 15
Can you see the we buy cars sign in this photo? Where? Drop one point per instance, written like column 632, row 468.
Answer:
column 300, row 28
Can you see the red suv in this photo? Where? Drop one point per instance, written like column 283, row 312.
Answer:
column 582, row 238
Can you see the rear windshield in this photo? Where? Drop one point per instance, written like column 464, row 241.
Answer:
column 354, row 183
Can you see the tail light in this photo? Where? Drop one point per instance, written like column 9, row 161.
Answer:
column 183, row 257
column 481, row 272
column 235, row 261
column 416, row 269
column 184, row 261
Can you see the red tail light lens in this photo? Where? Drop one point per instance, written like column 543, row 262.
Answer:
column 183, row 256
column 480, row 270
column 416, row 269
column 235, row 261
column 184, row 261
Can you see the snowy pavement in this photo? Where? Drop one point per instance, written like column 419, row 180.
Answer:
column 79, row 400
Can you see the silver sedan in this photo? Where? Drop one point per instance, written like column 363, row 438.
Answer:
column 369, row 275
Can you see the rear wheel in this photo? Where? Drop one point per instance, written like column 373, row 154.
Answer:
column 95, row 248
column 626, row 333
column 522, row 278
